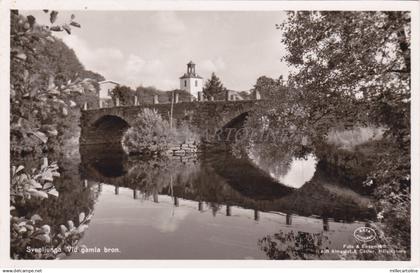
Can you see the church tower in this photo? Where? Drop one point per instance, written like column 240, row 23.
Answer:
column 190, row 81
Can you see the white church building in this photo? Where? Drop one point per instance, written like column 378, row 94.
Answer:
column 190, row 81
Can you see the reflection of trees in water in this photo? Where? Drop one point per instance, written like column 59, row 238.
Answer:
column 275, row 161
column 275, row 157
column 194, row 181
column 293, row 245
column 246, row 179
column 314, row 197
column 160, row 174
column 214, row 207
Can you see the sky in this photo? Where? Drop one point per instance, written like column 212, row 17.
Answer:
column 152, row 48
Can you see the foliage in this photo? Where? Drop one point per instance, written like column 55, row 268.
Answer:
column 392, row 181
column 149, row 129
column 350, row 68
column 185, row 133
column 151, row 133
column 277, row 128
column 27, row 233
column 38, row 59
column 37, row 184
column 43, row 81
column 292, row 245
column 87, row 74
column 358, row 60
column 30, row 239
column 214, row 88
column 183, row 95
column 145, row 95
column 45, row 86
column 124, row 94
column 40, row 123
column 154, row 175
column 268, row 87
column 350, row 139
column 46, row 91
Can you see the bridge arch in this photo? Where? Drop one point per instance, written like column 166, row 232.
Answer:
column 233, row 129
column 237, row 121
column 108, row 129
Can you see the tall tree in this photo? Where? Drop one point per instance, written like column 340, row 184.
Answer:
column 358, row 60
column 269, row 87
column 355, row 66
column 214, row 87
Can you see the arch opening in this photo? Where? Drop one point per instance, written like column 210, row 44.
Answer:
column 232, row 130
column 237, row 122
column 109, row 129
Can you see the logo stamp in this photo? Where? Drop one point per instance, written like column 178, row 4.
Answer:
column 364, row 234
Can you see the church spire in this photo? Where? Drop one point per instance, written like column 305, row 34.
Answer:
column 191, row 68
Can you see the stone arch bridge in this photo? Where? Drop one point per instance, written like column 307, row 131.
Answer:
column 107, row 125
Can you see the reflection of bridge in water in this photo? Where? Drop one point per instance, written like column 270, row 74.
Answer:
column 229, row 210
column 220, row 179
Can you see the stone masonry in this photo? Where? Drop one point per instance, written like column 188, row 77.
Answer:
column 107, row 125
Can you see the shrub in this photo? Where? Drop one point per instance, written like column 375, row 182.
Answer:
column 153, row 134
column 149, row 132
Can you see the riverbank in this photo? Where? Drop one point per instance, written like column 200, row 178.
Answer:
column 361, row 166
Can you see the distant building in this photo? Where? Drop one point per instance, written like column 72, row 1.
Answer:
column 105, row 88
column 234, row 95
column 190, row 81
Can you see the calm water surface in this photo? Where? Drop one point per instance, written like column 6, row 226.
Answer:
column 213, row 206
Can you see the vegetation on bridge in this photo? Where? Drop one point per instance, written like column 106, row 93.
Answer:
column 152, row 134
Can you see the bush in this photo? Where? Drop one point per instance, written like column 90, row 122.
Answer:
column 149, row 132
column 153, row 134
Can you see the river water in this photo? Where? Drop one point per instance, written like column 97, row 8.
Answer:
column 209, row 206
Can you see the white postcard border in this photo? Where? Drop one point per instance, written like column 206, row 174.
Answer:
column 5, row 6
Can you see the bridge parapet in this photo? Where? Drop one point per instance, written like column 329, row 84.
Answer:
column 107, row 125
column 175, row 98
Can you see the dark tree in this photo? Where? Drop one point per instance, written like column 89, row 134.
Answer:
column 269, row 87
column 125, row 95
column 214, row 88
